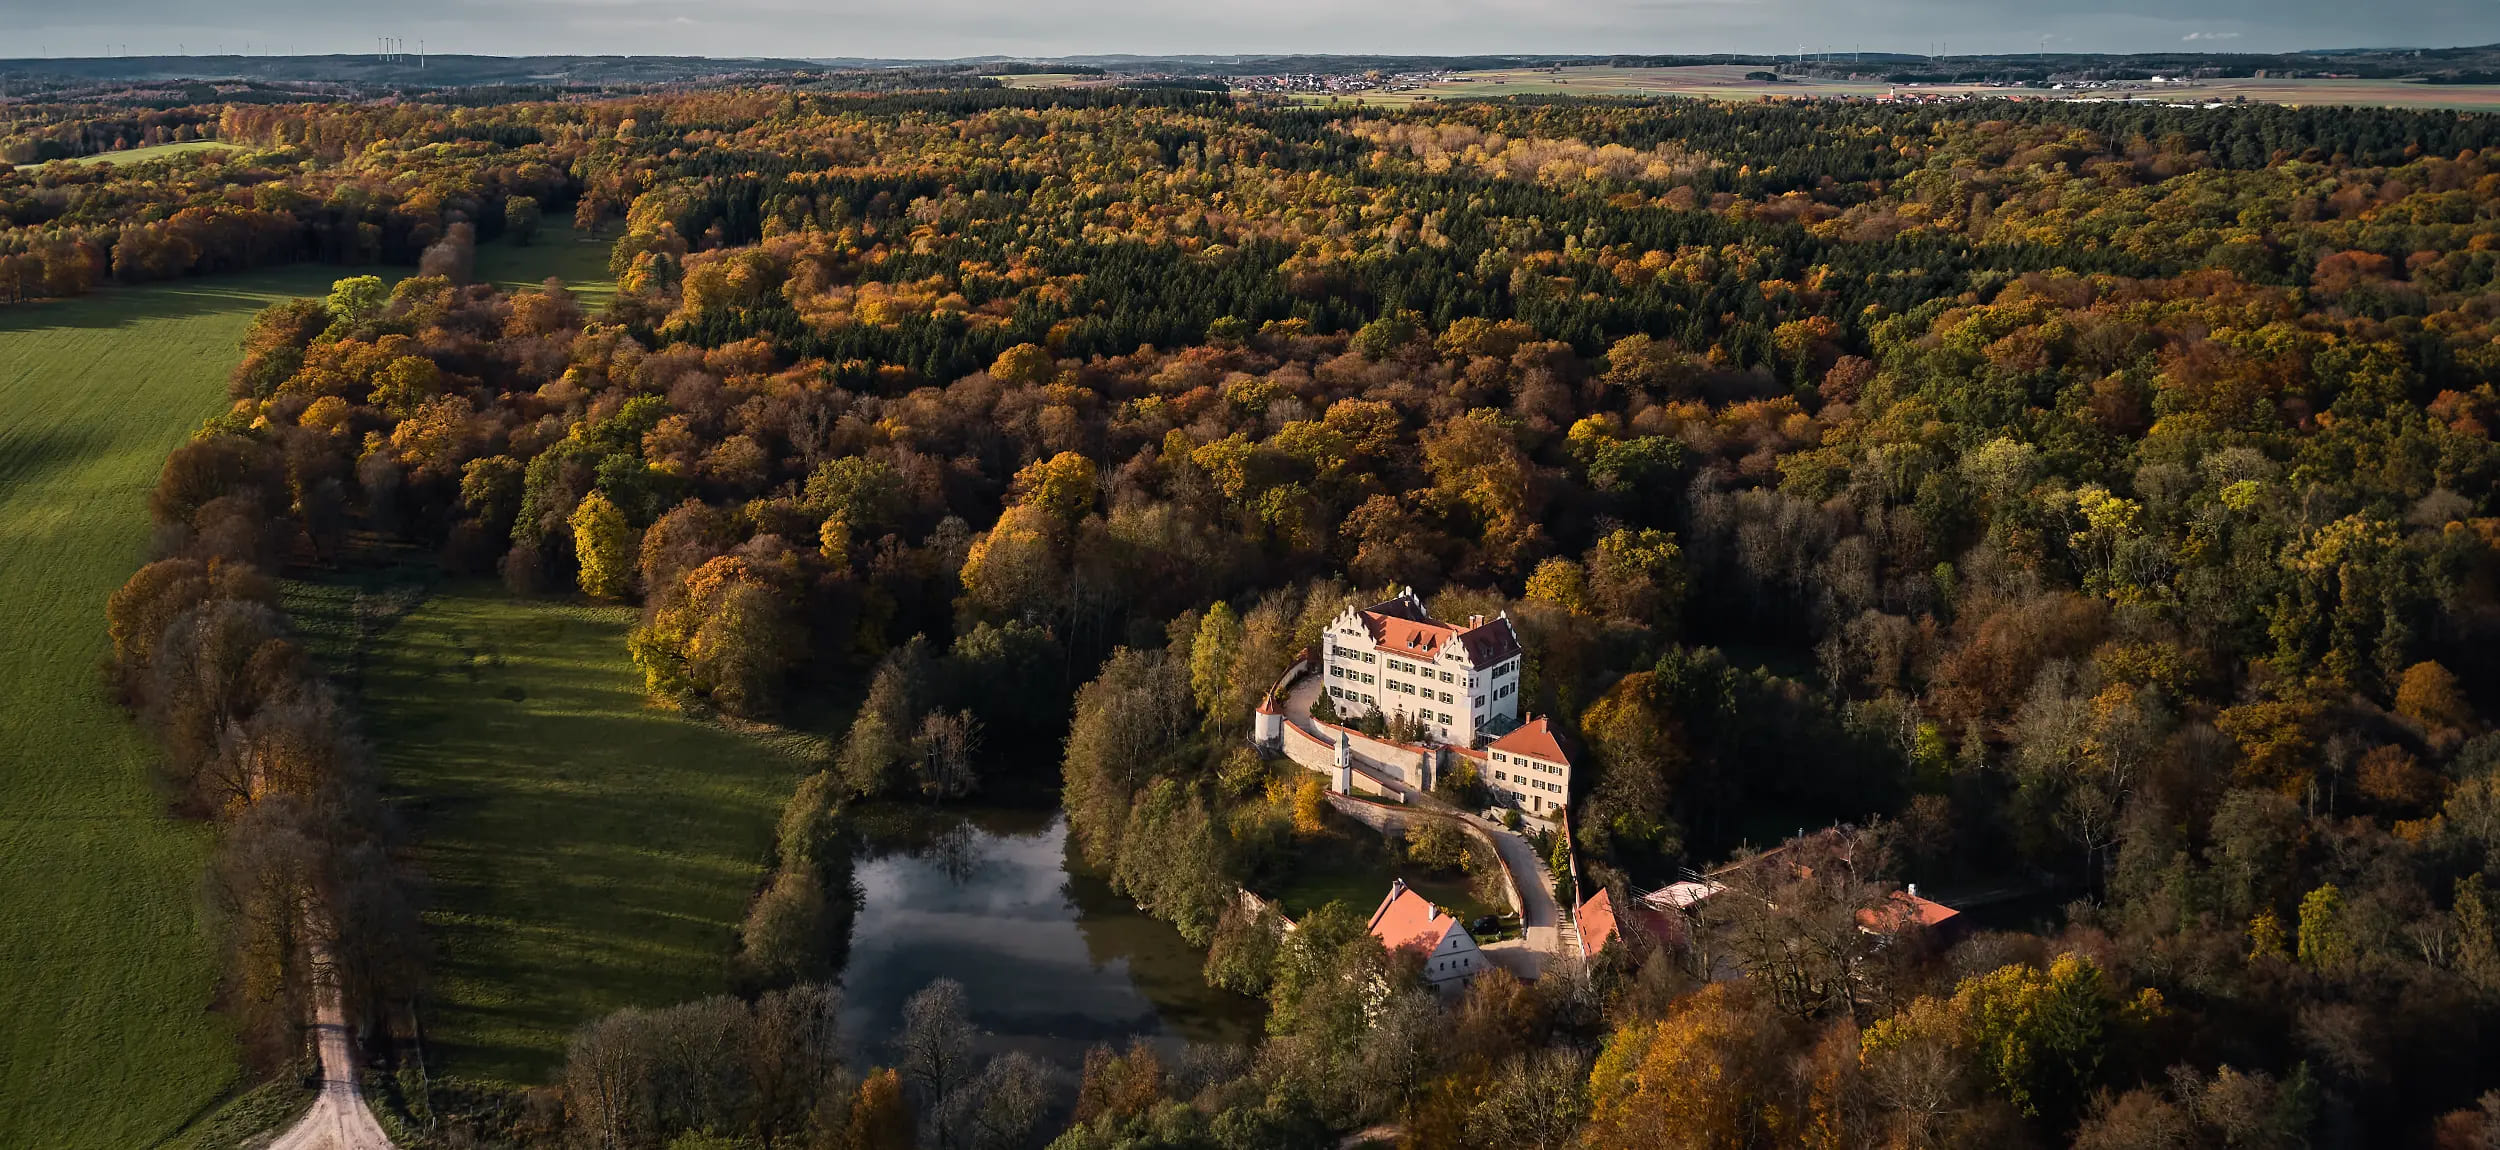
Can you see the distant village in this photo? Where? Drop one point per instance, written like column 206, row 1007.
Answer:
column 1343, row 84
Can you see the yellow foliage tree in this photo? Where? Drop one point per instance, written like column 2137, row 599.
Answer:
column 1061, row 486
column 1310, row 806
column 1689, row 1080
column 1015, row 569
column 1560, row 582
column 2428, row 696
column 880, row 1119
column 604, row 542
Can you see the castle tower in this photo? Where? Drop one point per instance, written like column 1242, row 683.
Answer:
column 1267, row 724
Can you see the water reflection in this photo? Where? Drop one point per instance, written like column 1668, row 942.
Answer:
column 1051, row 960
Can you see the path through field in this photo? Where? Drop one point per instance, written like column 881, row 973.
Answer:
column 106, row 1039
column 339, row 1119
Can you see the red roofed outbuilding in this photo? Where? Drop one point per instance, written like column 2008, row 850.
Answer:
column 1601, row 924
column 1905, row 909
column 1407, row 921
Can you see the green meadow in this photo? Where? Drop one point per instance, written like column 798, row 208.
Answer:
column 149, row 152
column 105, row 1035
column 583, row 850
column 106, row 1038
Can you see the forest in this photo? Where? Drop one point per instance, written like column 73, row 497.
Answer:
column 2090, row 501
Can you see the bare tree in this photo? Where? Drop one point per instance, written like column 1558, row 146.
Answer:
column 936, row 1049
column 1001, row 1109
column 946, row 744
column 1538, row 1101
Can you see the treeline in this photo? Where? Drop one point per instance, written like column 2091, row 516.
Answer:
column 255, row 740
column 41, row 133
column 286, row 193
column 772, row 1072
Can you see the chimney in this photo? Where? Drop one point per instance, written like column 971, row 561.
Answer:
column 1474, row 621
column 1913, row 890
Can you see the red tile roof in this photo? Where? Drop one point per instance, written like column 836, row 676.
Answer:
column 1407, row 637
column 1599, row 923
column 1534, row 738
column 1401, row 625
column 1902, row 909
column 1406, row 919
column 1596, row 918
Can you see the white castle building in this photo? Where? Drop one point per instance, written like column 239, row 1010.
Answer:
column 1457, row 683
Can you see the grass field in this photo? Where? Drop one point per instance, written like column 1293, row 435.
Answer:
column 150, row 152
column 584, row 850
column 1727, row 82
column 1352, row 864
column 1049, row 79
column 577, row 258
column 105, row 1039
column 105, row 1036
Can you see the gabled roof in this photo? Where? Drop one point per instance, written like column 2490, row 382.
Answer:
column 1406, row 919
column 1401, row 625
column 1422, row 640
column 1601, row 924
column 1597, row 923
column 1535, row 738
column 1903, row 909
column 1491, row 641
column 1681, row 895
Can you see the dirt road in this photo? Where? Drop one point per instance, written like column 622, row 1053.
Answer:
column 339, row 1119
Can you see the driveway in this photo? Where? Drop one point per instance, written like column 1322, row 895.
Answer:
column 339, row 1119
column 1539, row 918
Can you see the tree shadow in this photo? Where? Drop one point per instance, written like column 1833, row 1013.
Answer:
column 26, row 456
column 117, row 307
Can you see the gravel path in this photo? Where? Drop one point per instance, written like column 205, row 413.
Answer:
column 339, row 1119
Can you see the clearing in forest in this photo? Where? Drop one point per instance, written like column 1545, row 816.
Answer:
column 1728, row 82
column 582, row 849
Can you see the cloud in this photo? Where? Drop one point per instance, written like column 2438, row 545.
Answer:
column 2211, row 36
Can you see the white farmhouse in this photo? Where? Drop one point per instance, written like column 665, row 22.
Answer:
column 1409, row 921
column 1458, row 683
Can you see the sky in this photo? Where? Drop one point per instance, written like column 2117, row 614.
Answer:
column 948, row 28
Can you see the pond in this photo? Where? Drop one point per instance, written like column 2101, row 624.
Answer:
column 1051, row 961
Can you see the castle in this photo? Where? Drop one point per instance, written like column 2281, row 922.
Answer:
column 1449, row 692
column 1453, row 683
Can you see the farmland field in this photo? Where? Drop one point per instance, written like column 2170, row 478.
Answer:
column 584, row 850
column 1049, row 79
column 108, row 1042
column 1728, row 82
column 148, row 152
column 107, row 1039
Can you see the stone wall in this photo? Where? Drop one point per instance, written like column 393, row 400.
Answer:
column 1393, row 820
column 1409, row 765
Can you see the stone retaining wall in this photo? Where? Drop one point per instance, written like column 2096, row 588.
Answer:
column 1395, row 819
